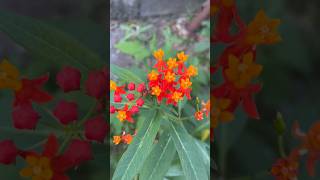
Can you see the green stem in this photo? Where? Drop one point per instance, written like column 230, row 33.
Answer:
column 56, row 125
column 37, row 144
column 64, row 143
column 25, row 132
column 83, row 120
column 281, row 146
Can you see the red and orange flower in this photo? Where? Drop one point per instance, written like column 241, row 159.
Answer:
column 171, row 80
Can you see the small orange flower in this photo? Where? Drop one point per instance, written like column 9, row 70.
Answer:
column 219, row 111
column 9, row 76
column 153, row 76
column 156, row 91
column 182, row 57
column 172, row 63
column 176, row 96
column 113, row 85
column 170, row 76
column 263, row 30
column 313, row 142
column 192, row 71
column 38, row 168
column 185, row 83
column 122, row 115
column 117, row 89
column 242, row 73
column 116, row 140
column 158, row 55
column 206, row 107
column 198, row 115
column 310, row 144
column 127, row 138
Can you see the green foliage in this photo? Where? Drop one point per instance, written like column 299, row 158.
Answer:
column 132, row 160
column 160, row 159
column 194, row 168
column 133, row 48
column 48, row 43
column 125, row 74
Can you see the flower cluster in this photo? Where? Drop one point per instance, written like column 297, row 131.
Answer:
column 134, row 100
column 55, row 160
column 238, row 60
column 125, row 138
column 171, row 79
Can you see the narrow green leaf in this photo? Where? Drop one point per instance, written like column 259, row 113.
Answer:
column 159, row 160
column 133, row 48
column 124, row 74
column 193, row 166
column 132, row 160
column 204, row 153
column 47, row 42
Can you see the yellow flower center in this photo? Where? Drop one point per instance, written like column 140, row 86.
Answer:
column 182, row 57
column 156, row 91
column 172, row 63
column 3, row 75
column 170, row 76
column 192, row 71
column 122, row 115
column 116, row 139
column 158, row 55
column 9, row 76
column 153, row 75
column 185, row 83
column 176, row 96
column 264, row 29
column 242, row 68
column 113, row 85
column 37, row 168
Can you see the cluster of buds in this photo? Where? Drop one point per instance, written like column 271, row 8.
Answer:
column 54, row 161
column 134, row 100
column 125, row 138
column 171, row 79
column 238, row 60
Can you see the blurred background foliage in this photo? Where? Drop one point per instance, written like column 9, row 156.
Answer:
column 83, row 21
column 290, row 80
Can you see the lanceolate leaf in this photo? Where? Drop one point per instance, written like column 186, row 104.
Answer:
column 204, row 150
column 159, row 160
column 48, row 43
column 132, row 160
column 125, row 74
column 194, row 168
